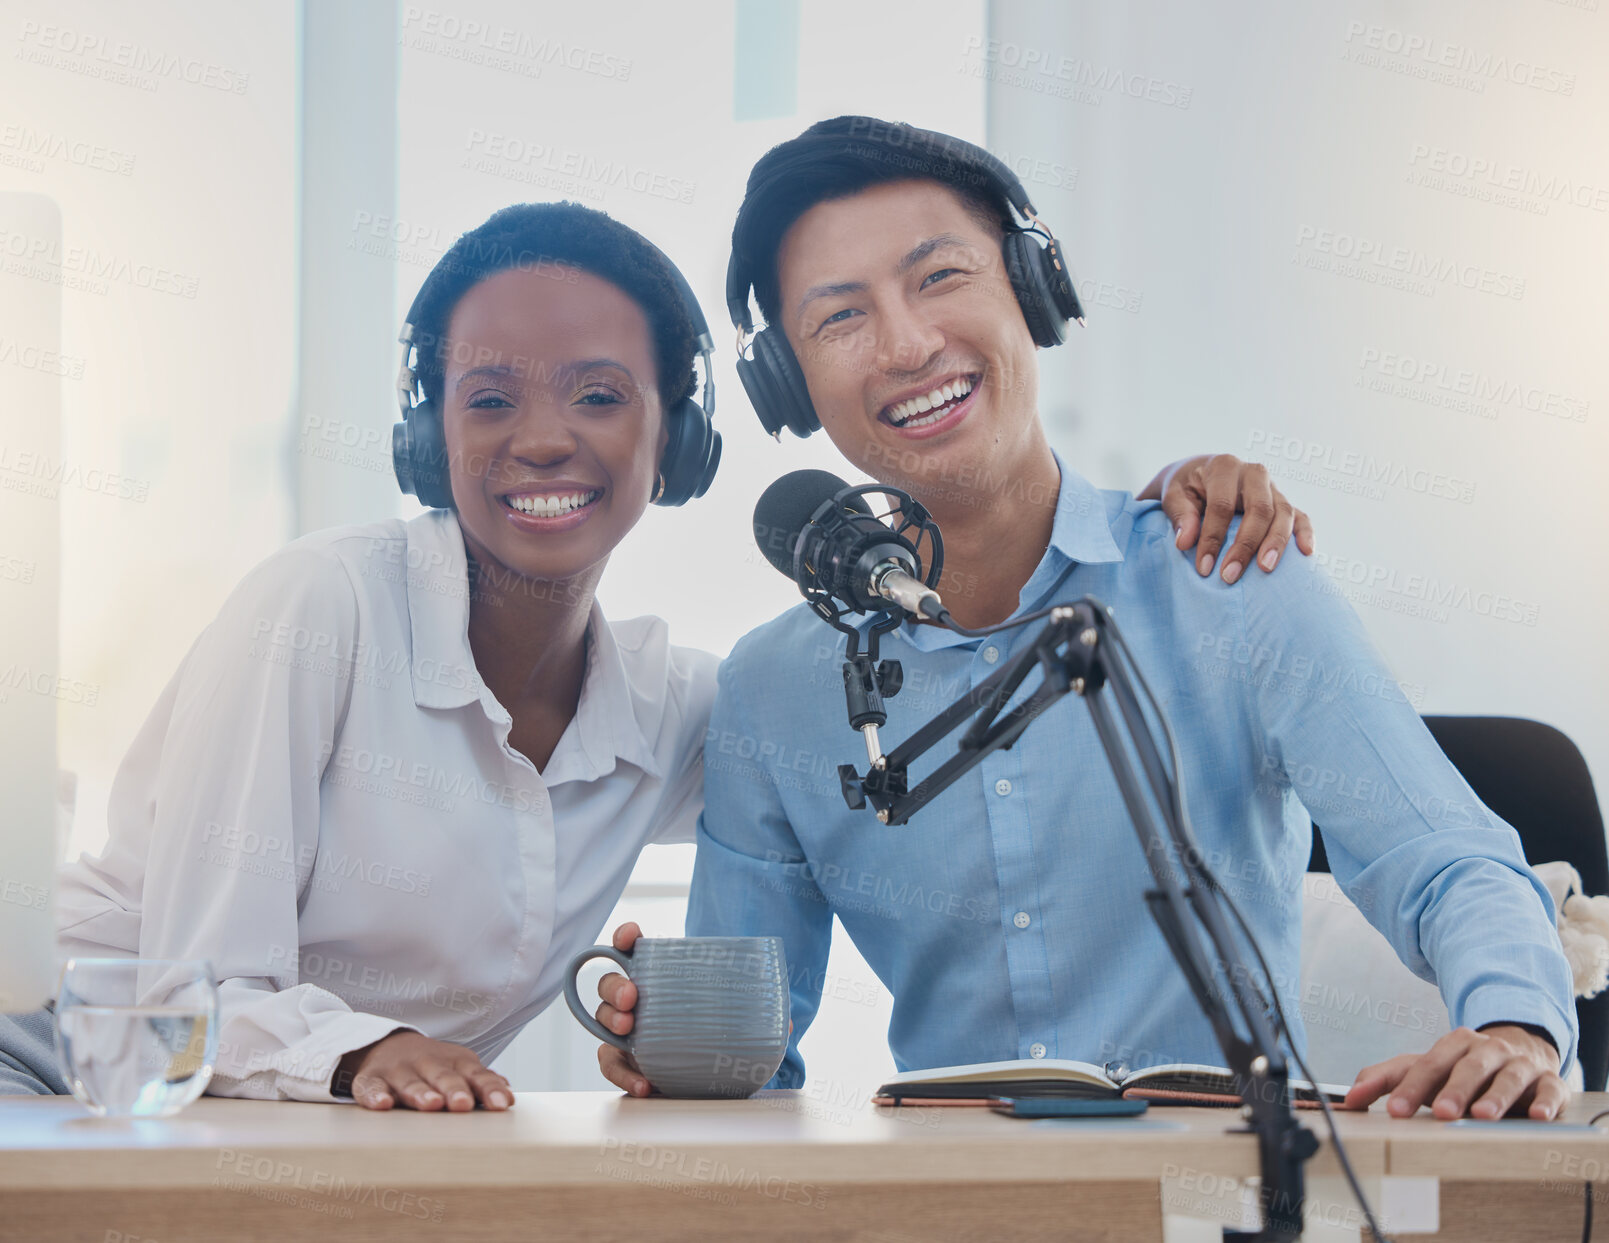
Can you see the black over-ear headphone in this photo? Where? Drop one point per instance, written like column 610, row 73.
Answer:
column 692, row 452
column 1038, row 274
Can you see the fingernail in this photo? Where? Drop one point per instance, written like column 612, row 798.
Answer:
column 1270, row 559
column 431, row 1096
column 1178, row 535
column 499, row 1100
column 640, row 1088
column 1231, row 571
column 1399, row 1105
column 1204, row 565
column 463, row 1098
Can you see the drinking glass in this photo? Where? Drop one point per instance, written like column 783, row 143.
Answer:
column 137, row 1037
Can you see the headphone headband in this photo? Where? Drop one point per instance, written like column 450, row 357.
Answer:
column 687, row 466
column 926, row 154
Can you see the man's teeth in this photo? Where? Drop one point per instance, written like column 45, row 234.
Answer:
column 931, row 404
column 551, row 506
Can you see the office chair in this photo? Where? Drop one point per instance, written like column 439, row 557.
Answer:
column 1533, row 776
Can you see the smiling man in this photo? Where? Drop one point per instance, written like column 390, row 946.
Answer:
column 1007, row 919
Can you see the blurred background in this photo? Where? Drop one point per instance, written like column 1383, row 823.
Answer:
column 1366, row 243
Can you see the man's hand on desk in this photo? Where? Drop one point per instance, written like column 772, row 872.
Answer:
column 420, row 1073
column 1484, row 1073
column 619, row 999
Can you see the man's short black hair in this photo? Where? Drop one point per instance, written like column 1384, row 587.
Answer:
column 835, row 159
column 558, row 238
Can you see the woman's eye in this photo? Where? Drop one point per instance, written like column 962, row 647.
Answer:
column 490, row 401
column 939, row 275
column 600, row 397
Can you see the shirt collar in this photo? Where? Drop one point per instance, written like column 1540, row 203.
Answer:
column 1080, row 534
column 1083, row 527
column 620, row 705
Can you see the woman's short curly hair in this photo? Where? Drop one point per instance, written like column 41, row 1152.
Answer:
column 557, row 236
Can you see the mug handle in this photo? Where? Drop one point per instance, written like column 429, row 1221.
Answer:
column 572, row 996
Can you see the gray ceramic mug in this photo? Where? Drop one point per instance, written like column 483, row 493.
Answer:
column 711, row 1015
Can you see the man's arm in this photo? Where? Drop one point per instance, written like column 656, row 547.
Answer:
column 750, row 878
column 1433, row 869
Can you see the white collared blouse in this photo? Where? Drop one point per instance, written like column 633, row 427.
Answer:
column 324, row 804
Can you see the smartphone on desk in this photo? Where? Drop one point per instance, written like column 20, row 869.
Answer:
column 1065, row 1107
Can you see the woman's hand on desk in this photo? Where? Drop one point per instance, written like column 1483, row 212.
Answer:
column 1500, row 1069
column 421, row 1073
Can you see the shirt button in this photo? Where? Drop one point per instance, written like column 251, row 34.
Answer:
column 991, row 654
column 1002, row 787
column 1021, row 919
column 1038, row 1050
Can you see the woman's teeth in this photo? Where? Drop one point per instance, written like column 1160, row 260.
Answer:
column 930, row 407
column 551, row 506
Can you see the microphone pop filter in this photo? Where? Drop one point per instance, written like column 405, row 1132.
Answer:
column 784, row 510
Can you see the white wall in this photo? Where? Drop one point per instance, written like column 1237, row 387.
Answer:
column 165, row 134
column 1221, row 158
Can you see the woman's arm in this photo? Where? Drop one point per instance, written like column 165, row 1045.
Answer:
column 232, row 789
column 1201, row 494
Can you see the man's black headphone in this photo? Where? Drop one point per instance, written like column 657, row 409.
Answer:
column 692, row 452
column 1038, row 274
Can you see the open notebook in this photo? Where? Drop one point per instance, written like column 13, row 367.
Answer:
column 1182, row 1084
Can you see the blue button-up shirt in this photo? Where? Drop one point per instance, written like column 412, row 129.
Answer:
column 1007, row 918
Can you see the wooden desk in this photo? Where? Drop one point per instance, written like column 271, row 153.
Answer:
column 597, row 1166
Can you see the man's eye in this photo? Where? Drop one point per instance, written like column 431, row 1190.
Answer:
column 939, row 275
column 838, row 317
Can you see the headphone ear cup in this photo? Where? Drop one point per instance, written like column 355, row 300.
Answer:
column 426, row 444
column 776, row 386
column 1033, row 277
column 692, row 454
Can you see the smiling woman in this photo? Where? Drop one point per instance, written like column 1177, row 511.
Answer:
column 404, row 775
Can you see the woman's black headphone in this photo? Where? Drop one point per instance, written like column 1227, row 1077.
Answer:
column 1039, row 276
column 692, row 452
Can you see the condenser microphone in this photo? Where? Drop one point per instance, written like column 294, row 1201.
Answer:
column 831, row 544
